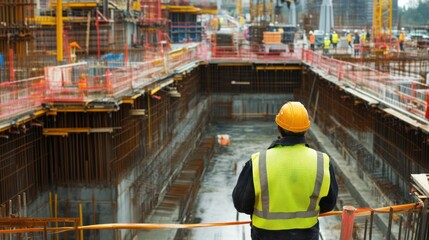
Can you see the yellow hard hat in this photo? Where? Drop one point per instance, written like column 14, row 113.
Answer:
column 293, row 117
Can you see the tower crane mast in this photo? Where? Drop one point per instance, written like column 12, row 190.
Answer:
column 382, row 18
column 239, row 7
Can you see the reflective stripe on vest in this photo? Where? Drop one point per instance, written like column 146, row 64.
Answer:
column 311, row 210
column 276, row 205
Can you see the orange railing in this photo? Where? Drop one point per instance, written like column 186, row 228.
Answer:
column 407, row 95
column 20, row 97
column 85, row 82
column 406, row 221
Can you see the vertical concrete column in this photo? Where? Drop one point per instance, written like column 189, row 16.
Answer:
column 348, row 218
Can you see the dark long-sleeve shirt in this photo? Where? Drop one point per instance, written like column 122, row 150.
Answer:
column 244, row 192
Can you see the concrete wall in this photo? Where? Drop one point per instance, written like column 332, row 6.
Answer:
column 122, row 203
column 247, row 106
column 128, row 209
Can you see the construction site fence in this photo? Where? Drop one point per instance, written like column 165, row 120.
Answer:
column 106, row 79
column 409, row 96
column 22, row 96
column 406, row 221
column 98, row 80
column 254, row 52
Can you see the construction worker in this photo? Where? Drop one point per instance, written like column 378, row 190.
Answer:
column 220, row 23
column 285, row 187
column 363, row 37
column 356, row 43
column 312, row 39
column 72, row 50
column 82, row 84
column 215, row 23
column 241, row 21
column 326, row 44
column 401, row 39
column 335, row 39
column 349, row 39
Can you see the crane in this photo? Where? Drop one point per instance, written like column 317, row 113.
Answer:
column 239, row 7
column 382, row 18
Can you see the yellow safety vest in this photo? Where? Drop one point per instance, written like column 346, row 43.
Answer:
column 349, row 37
column 334, row 38
column 326, row 44
column 401, row 37
column 289, row 182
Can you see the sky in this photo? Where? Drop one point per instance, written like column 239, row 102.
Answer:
column 401, row 3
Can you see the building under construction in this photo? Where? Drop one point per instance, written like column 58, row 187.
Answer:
column 104, row 107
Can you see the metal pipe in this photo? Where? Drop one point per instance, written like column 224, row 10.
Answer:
column 59, row 22
column 347, row 222
column 56, row 213
column 19, row 206
column 50, row 204
column 80, row 221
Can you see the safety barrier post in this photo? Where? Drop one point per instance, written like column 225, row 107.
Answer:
column 109, row 81
column 302, row 54
column 11, row 67
column 427, row 106
column 126, row 54
column 348, row 217
column 340, row 70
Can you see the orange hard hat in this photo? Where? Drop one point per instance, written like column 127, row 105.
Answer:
column 293, row 117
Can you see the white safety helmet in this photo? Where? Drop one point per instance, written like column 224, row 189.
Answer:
column 311, row 32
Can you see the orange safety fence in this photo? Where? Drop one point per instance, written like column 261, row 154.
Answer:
column 403, row 93
column 18, row 97
column 84, row 82
column 410, row 207
column 254, row 52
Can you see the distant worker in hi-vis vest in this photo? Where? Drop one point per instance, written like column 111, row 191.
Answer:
column 334, row 39
column 312, row 39
column 287, row 186
column 326, row 44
